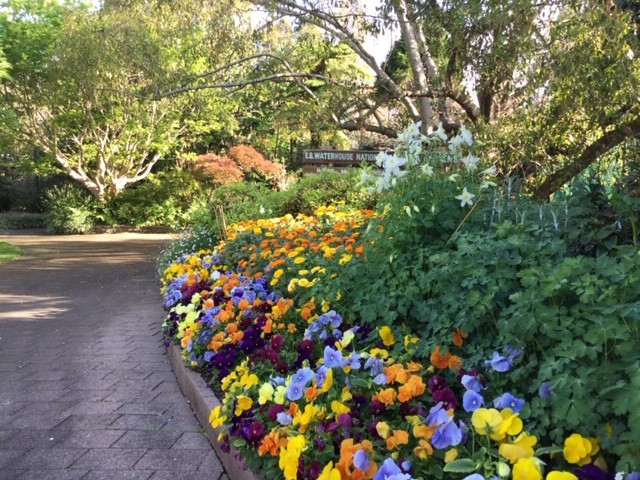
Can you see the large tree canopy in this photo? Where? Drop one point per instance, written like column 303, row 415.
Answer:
column 80, row 80
column 551, row 86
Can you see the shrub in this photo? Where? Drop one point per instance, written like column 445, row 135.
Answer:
column 69, row 209
column 253, row 163
column 164, row 198
column 22, row 220
column 217, row 170
column 244, row 201
column 326, row 188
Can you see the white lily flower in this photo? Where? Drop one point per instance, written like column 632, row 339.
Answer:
column 466, row 135
column 427, row 170
column 466, row 197
column 470, row 162
column 392, row 165
column 440, row 133
column 455, row 143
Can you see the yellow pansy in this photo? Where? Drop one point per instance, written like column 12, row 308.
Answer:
column 379, row 353
column 387, row 336
column 344, row 259
column 511, row 424
column 485, row 421
column 521, row 447
column 346, row 395
column 561, row 476
column 339, row 407
column 383, row 429
column 215, row 419
column 328, row 381
column 303, row 418
column 329, row 473
column 265, row 393
column 526, row 469
column 326, row 306
column 279, row 395
column 248, row 381
column 242, row 405
column 450, row 455
column 346, row 338
column 578, row 449
column 289, row 457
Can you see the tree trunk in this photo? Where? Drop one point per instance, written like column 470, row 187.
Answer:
column 420, row 78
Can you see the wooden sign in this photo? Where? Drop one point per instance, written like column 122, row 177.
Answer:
column 338, row 158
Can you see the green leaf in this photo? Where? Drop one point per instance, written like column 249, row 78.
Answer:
column 462, row 465
column 359, row 382
column 548, row 450
column 239, row 443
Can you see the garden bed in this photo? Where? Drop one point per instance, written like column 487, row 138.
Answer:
column 203, row 401
column 450, row 334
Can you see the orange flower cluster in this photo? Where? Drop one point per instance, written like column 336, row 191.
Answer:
column 272, row 443
column 445, row 361
column 298, row 252
column 411, row 384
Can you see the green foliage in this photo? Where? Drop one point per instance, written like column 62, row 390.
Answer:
column 69, row 210
column 190, row 241
column 22, row 220
column 326, row 188
column 511, row 272
column 8, row 252
column 164, row 198
column 246, row 201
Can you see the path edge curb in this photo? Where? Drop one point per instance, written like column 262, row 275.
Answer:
column 203, row 400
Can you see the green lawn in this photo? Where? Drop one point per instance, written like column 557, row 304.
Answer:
column 8, row 252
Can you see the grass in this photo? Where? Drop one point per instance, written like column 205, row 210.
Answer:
column 8, row 252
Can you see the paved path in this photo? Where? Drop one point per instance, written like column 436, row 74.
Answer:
column 86, row 390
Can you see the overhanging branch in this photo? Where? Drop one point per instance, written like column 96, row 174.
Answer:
column 606, row 142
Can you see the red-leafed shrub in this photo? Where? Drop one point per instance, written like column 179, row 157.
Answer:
column 216, row 169
column 252, row 161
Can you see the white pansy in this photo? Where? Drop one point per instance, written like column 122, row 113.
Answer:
column 466, row 197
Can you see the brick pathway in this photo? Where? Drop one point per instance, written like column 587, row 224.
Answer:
column 86, row 390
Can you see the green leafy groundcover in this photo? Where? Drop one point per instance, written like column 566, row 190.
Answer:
column 9, row 252
column 453, row 333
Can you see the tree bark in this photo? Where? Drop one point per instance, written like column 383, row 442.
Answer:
column 420, row 78
column 606, row 142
